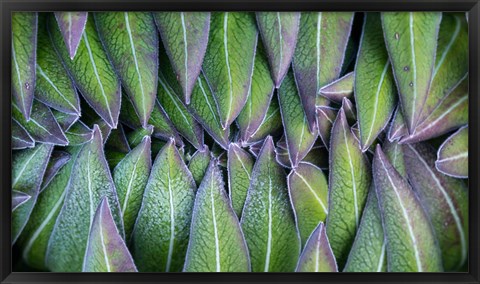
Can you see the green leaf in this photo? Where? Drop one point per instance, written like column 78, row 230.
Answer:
column 204, row 110
column 452, row 157
column 325, row 118
column 58, row 159
column 319, row 55
column 183, row 121
column 268, row 220
column 240, row 165
column 135, row 137
column 349, row 181
column 445, row 200
column 271, row 124
column 90, row 181
column 279, row 31
column 79, row 134
column 24, row 45
column 368, row 252
column 106, row 250
column 53, row 86
column 91, row 71
column 340, row 88
column 72, row 25
column 259, row 99
column 350, row 111
column 451, row 64
column 168, row 199
column 308, row 190
column 131, row 41
column 162, row 126
column 228, row 62
column 185, row 37
column 411, row 40
column 450, row 114
column 130, row 177
column 216, row 240
column 299, row 139
column 28, row 168
column 394, row 153
column 18, row 199
column 35, row 236
column 21, row 139
column 397, row 128
column 65, row 120
column 117, row 140
column 375, row 93
column 411, row 243
column 42, row 126
column 199, row 163
column 317, row 255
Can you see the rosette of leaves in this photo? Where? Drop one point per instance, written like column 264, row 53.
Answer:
column 239, row 141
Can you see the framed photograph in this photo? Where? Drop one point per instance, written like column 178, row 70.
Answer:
column 248, row 141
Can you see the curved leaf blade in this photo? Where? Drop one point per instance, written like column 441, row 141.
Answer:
column 452, row 157
column 131, row 41
column 268, row 220
column 216, row 240
column 411, row 40
column 18, row 199
column 271, row 124
column 168, row 198
column 106, row 250
column 229, row 58
column 279, row 31
column 198, row 164
column 185, row 37
column 72, row 25
column 411, row 244
column 21, row 139
column 240, row 165
column 317, row 255
column 340, row 88
column 325, row 118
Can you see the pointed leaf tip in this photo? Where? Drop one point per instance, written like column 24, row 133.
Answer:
column 317, row 255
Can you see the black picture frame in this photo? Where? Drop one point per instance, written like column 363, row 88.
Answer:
column 8, row 6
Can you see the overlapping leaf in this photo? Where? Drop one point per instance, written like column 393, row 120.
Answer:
column 317, row 255
column 452, row 157
column 72, row 25
column 240, row 165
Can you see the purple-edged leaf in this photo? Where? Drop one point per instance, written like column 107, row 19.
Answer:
column 58, row 159
column 24, row 51
column 279, row 31
column 34, row 239
column 452, row 157
column 131, row 41
column 65, row 120
column 319, row 55
column 199, row 163
column 394, row 153
column 451, row 64
column 53, row 86
column 349, row 181
column 411, row 40
column 216, row 240
column 18, row 199
column 28, row 168
column 168, row 199
column 90, row 181
column 42, row 126
column 268, row 220
column 240, row 165
column 202, row 107
column 350, row 111
column 91, row 71
column 325, row 118
column 20, row 137
column 308, row 191
column 299, row 138
column 106, row 250
column 79, row 134
column 130, row 177
column 135, row 137
column 317, row 255
column 162, row 126
column 451, row 113
column 340, row 88
column 259, row 100
column 368, row 252
column 375, row 93
column 255, row 148
column 228, row 62
column 271, row 124
column 185, row 37
column 445, row 200
column 117, row 140
column 411, row 243
column 397, row 128
column 72, row 25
